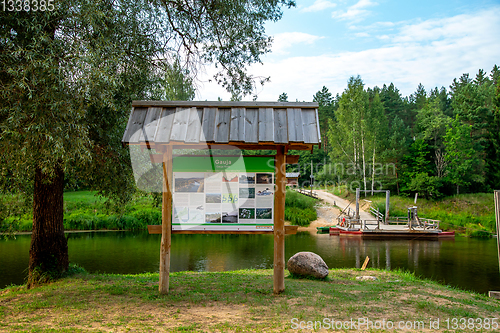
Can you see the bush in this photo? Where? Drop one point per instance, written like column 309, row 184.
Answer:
column 300, row 216
column 299, row 209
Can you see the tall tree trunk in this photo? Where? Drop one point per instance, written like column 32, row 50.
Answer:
column 49, row 247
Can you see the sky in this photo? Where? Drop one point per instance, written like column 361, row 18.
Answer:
column 325, row 42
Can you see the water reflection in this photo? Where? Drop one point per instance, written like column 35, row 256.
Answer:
column 466, row 263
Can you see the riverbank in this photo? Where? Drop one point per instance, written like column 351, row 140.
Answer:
column 240, row 301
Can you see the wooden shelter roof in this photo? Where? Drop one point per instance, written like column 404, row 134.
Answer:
column 248, row 125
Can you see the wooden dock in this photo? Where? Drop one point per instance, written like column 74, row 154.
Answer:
column 391, row 232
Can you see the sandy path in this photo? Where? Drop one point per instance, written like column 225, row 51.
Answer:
column 327, row 213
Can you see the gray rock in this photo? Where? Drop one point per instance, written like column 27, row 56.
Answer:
column 308, row 264
column 366, row 278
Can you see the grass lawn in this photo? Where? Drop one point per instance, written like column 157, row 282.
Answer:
column 238, row 301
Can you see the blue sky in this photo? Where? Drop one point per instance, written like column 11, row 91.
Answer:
column 324, row 42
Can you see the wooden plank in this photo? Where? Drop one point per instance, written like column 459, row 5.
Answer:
column 387, row 205
column 317, row 127
column 156, row 158
column 194, row 125
column 266, row 125
column 166, row 222
column 179, row 127
column 156, row 229
column 125, row 134
column 237, row 125
column 357, row 204
column 233, row 146
column 494, row 294
column 149, row 127
column 227, row 104
column 164, row 128
column 279, row 222
column 251, row 126
column 367, row 259
column 208, row 125
column 280, row 126
column 309, row 126
column 135, row 125
column 222, row 125
column 295, row 129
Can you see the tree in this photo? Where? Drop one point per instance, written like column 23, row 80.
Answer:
column 350, row 133
column 325, row 112
column 460, row 154
column 68, row 77
column 283, row 97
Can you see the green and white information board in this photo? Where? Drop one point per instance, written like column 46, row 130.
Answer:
column 228, row 193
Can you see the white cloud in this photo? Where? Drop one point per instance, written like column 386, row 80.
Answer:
column 431, row 52
column 319, row 5
column 284, row 41
column 362, row 34
column 356, row 12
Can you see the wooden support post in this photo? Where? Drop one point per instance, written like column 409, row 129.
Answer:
column 387, row 204
column 497, row 213
column 357, row 203
column 279, row 222
column 166, row 221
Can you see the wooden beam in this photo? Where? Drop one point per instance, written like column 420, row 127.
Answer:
column 156, row 229
column 357, row 204
column 290, row 159
column 279, row 222
column 494, row 294
column 166, row 222
column 365, row 263
column 229, row 146
column 387, row 205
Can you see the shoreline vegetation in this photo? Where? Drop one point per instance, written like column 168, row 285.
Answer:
column 470, row 215
column 83, row 210
column 244, row 301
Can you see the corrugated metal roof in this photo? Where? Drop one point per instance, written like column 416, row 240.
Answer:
column 239, row 123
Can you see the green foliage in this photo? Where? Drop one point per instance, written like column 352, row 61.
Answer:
column 426, row 185
column 299, row 209
column 463, row 161
column 283, row 97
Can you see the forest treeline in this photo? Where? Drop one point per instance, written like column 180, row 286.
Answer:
column 435, row 143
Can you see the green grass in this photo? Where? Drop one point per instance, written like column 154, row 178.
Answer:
column 237, row 301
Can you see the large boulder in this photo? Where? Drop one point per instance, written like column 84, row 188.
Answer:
column 308, row 264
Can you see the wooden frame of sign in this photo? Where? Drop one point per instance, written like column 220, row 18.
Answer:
column 166, row 126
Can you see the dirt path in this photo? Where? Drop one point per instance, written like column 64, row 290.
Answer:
column 327, row 212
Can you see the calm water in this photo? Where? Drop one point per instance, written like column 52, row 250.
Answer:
column 466, row 263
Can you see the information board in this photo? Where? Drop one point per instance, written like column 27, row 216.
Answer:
column 230, row 193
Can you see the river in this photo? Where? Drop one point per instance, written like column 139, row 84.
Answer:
column 470, row 264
